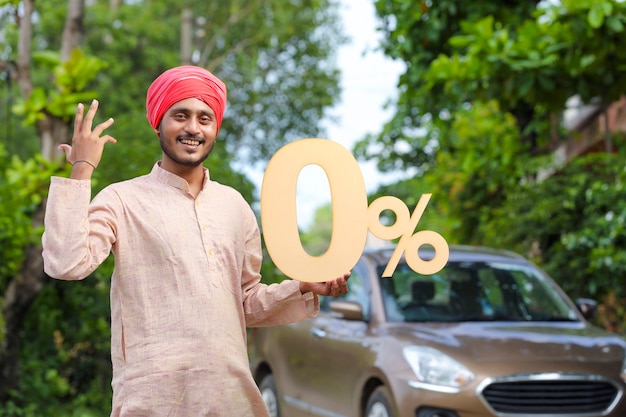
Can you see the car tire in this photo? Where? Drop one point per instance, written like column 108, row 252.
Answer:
column 270, row 395
column 379, row 403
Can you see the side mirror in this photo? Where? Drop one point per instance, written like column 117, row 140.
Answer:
column 349, row 310
column 587, row 307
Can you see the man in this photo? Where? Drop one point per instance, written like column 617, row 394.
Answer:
column 187, row 258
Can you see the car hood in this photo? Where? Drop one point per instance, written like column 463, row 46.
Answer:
column 516, row 341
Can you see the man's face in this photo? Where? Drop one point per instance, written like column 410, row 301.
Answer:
column 187, row 133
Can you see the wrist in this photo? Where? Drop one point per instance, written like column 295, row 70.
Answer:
column 84, row 161
column 82, row 169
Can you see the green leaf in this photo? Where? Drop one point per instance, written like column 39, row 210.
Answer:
column 74, row 74
column 615, row 24
column 64, row 105
column 596, row 16
column 47, row 58
column 32, row 108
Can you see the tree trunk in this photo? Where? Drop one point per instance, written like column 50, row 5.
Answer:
column 22, row 290
column 17, row 299
column 73, row 29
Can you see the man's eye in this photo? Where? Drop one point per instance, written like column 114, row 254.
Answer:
column 179, row 116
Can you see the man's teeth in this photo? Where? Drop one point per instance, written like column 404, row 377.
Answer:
column 190, row 142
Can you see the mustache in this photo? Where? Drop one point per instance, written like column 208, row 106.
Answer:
column 189, row 137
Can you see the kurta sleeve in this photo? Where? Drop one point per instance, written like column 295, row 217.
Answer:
column 274, row 304
column 77, row 237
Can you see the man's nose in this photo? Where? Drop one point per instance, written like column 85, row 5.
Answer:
column 192, row 126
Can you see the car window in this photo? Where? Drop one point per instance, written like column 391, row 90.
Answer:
column 529, row 294
column 469, row 291
column 358, row 291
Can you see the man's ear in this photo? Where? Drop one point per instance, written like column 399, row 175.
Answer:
column 157, row 133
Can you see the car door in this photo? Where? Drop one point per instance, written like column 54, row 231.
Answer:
column 289, row 352
column 337, row 353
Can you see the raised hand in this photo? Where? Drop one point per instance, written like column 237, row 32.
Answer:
column 87, row 146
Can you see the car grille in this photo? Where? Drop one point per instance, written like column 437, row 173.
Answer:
column 551, row 397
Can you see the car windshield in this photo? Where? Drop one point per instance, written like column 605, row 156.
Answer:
column 473, row 291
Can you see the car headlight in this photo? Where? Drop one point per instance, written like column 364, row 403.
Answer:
column 435, row 370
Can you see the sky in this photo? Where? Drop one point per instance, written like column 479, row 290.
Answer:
column 368, row 81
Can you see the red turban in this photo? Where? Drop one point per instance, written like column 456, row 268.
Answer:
column 184, row 82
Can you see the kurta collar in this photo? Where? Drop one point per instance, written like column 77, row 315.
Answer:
column 174, row 180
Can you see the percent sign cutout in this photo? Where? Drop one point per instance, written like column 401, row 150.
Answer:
column 351, row 216
column 409, row 243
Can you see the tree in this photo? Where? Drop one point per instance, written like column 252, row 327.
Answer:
column 575, row 221
column 530, row 58
column 316, row 239
column 51, row 125
column 480, row 111
column 276, row 58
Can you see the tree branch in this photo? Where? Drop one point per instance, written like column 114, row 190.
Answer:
column 23, row 49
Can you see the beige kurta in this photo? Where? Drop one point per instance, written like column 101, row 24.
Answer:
column 185, row 286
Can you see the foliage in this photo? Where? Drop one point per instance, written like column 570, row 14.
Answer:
column 418, row 36
column 316, row 239
column 573, row 223
column 530, row 59
column 23, row 186
column 69, row 81
column 484, row 161
column 276, row 59
column 68, row 369
column 479, row 112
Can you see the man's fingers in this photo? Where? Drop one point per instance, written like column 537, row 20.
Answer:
column 102, row 127
column 109, row 139
column 67, row 149
column 338, row 286
column 91, row 114
column 87, row 143
column 83, row 122
column 343, row 286
column 78, row 119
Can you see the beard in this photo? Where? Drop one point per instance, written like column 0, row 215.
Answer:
column 188, row 160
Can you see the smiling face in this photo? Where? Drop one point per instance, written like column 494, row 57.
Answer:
column 187, row 133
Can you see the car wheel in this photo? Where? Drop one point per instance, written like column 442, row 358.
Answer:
column 379, row 404
column 270, row 395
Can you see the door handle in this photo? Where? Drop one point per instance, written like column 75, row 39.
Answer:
column 318, row 332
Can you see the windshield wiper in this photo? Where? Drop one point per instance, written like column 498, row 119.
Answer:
column 489, row 317
column 554, row 318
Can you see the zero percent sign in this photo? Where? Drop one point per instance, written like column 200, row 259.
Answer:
column 352, row 217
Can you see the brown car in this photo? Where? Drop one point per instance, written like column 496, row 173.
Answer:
column 488, row 335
